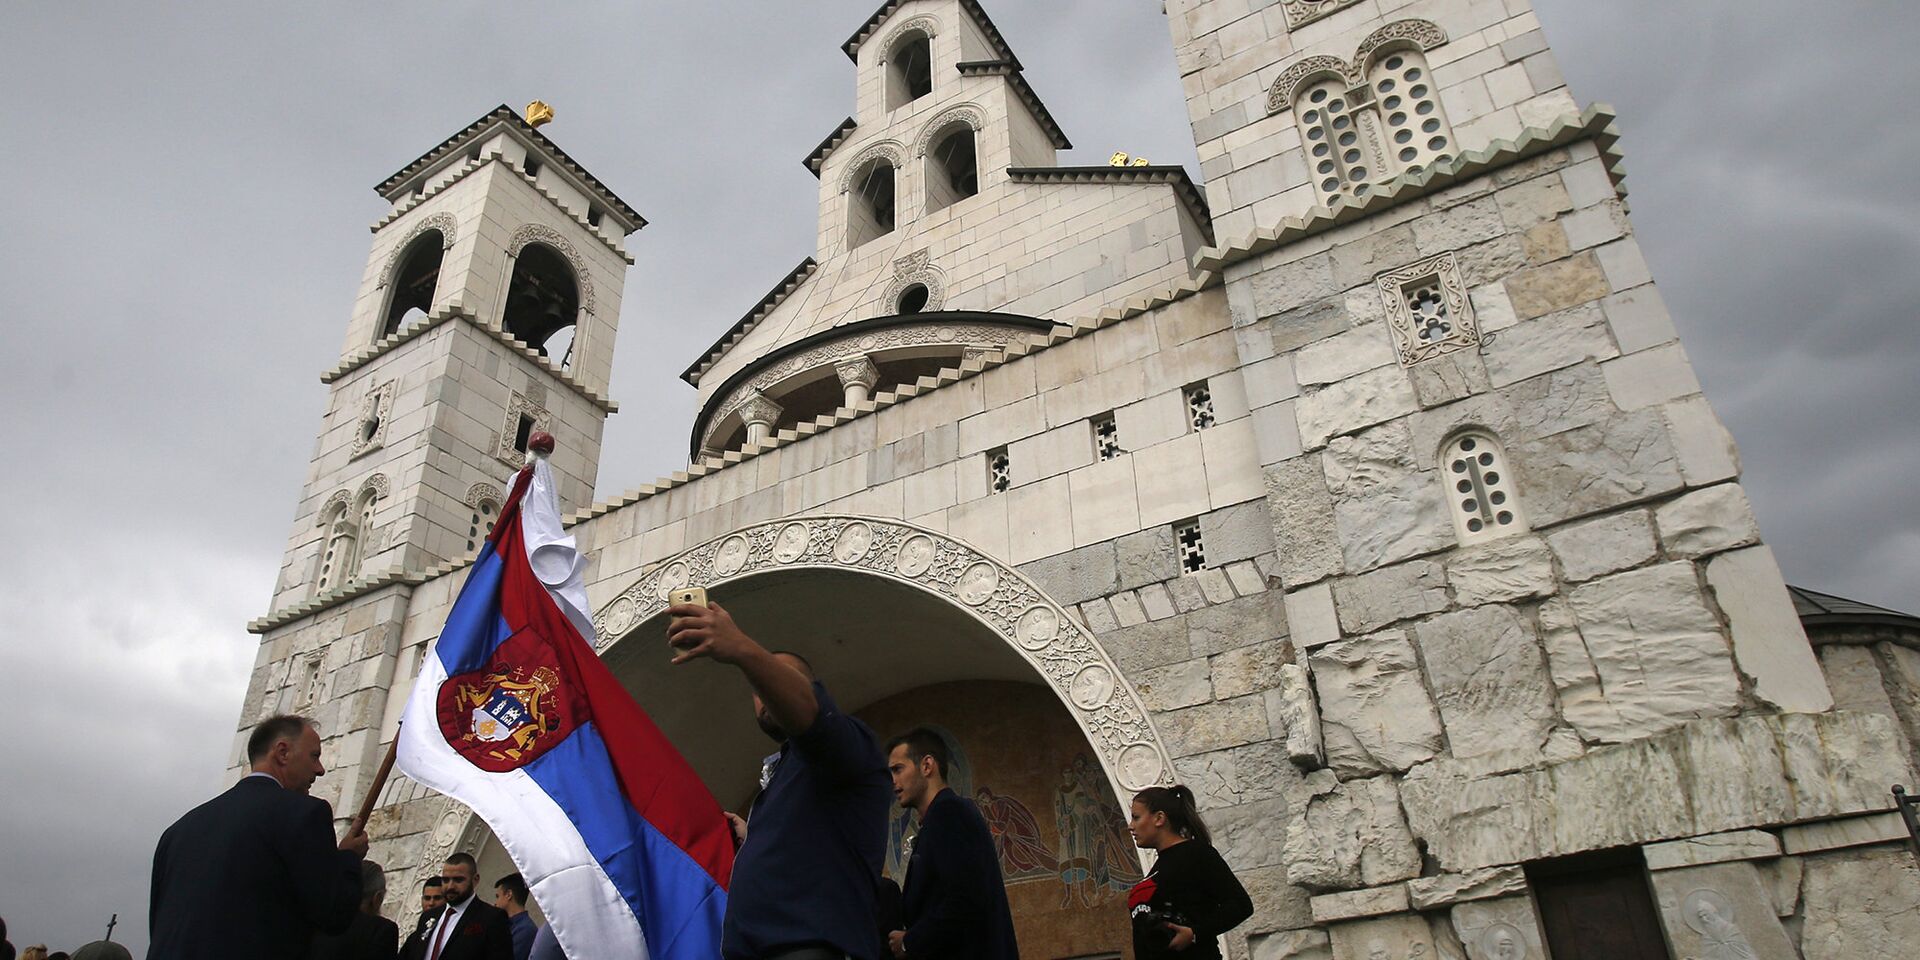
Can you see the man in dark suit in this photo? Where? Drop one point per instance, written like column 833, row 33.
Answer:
column 955, row 899
column 255, row 872
column 370, row 936
column 467, row 928
column 433, row 896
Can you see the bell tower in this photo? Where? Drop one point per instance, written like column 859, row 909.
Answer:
column 487, row 312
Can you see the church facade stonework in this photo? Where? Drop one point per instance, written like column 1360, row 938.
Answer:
column 1367, row 489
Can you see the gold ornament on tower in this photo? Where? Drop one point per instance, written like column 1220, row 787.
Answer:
column 1120, row 159
column 539, row 113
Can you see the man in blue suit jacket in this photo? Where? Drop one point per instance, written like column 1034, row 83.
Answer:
column 954, row 900
column 254, row 873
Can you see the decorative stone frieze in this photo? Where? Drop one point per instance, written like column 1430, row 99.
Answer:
column 1418, row 34
column 857, row 371
column 1068, row 657
column 912, row 269
column 443, row 222
column 1302, row 12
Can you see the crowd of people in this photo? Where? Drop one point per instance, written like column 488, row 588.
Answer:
column 97, row 950
column 256, row 872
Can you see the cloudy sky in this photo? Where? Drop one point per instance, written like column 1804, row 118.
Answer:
column 187, row 224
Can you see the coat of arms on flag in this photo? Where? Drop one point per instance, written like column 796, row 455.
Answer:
column 503, row 715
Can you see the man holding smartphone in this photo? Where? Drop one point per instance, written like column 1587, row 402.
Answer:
column 805, row 880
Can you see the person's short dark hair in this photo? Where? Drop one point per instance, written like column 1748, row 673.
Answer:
column 922, row 743
column 433, row 882
column 280, row 726
column 462, row 859
column 806, row 666
column 514, row 886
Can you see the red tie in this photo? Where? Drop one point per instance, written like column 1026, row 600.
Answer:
column 440, row 935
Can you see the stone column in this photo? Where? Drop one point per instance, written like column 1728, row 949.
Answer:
column 760, row 415
column 858, row 377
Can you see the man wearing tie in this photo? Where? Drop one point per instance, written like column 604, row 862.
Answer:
column 254, row 872
column 467, row 928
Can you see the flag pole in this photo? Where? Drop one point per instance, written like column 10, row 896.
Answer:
column 373, row 789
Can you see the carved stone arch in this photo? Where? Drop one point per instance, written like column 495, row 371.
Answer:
column 542, row 234
column 1421, row 35
column 927, row 25
column 481, row 493
column 967, row 113
column 889, row 150
column 1280, row 96
column 443, row 222
column 339, row 502
column 1067, row 656
column 378, row 485
column 909, row 270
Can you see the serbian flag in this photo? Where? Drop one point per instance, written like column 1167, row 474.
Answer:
column 515, row 716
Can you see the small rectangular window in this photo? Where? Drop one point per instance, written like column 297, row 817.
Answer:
column 1187, row 543
column 473, row 155
column 593, row 216
column 523, row 433
column 1106, row 437
column 532, row 167
column 1199, row 406
column 999, row 470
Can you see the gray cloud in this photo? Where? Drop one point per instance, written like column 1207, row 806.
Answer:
column 186, row 229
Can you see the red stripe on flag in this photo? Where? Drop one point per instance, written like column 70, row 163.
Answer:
column 657, row 780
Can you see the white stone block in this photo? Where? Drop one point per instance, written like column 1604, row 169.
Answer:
column 1493, row 307
column 1344, row 355
column 1639, row 319
column 1171, row 480
column 1246, row 578
column 1769, row 643
column 1232, row 457
column 1650, row 376
column 1050, row 454
column 1624, row 265
column 1350, row 405
column 1588, row 183
column 1127, row 610
column 1704, row 447
column 1156, row 601
column 1276, row 433
column 1155, row 420
column 1311, row 620
column 1214, row 585
column 1105, row 504
column 1711, row 520
column 1609, row 544
column 1846, row 832
column 1270, row 381
column 1502, row 571
column 1592, row 227
column 1039, row 520
column 1712, row 848
column 981, row 523
column 930, row 490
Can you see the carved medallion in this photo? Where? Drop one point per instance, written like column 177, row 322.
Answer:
column 853, row 543
column 791, row 544
column 1092, row 686
column 1503, row 941
column 620, row 615
column 915, row 557
column 448, row 829
column 1139, row 766
column 675, row 576
column 1037, row 627
column 978, row 583
column 732, row 556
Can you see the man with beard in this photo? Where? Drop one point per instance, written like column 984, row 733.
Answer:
column 955, row 902
column 255, row 872
column 804, row 882
column 466, row 928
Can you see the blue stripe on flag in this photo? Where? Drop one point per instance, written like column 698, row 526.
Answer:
column 475, row 626
column 666, row 889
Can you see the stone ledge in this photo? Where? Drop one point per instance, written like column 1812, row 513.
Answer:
column 1447, row 889
column 1713, row 848
column 1596, row 122
column 365, row 355
column 1849, row 832
column 1358, row 904
column 468, row 168
column 350, row 590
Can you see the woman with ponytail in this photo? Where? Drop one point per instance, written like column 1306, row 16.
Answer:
column 1190, row 897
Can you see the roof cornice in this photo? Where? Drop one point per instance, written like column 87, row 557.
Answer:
column 1183, row 185
column 1010, row 69
column 745, row 325
column 972, row 7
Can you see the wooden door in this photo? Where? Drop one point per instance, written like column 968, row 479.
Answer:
column 1599, row 911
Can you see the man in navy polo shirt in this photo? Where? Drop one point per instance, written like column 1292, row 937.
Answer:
column 805, row 880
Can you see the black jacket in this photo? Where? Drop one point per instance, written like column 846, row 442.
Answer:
column 481, row 933
column 955, row 899
column 367, row 938
column 255, row 872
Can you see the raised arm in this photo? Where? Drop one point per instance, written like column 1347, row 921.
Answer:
column 709, row 631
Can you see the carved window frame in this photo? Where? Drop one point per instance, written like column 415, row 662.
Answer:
column 1441, row 275
column 377, row 405
column 1302, row 12
column 521, row 404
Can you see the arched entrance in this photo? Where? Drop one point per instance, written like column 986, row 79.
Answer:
column 909, row 626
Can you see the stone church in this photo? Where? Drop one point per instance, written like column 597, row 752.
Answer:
column 1362, row 484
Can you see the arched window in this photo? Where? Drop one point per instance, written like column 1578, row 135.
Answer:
column 1415, row 130
column 953, row 168
column 364, row 524
column 543, row 302
column 1479, row 488
column 340, row 551
column 871, row 207
column 413, row 284
column 909, row 70
column 1332, row 129
column 480, row 523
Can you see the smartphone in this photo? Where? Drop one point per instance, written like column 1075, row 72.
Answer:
column 693, row 595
